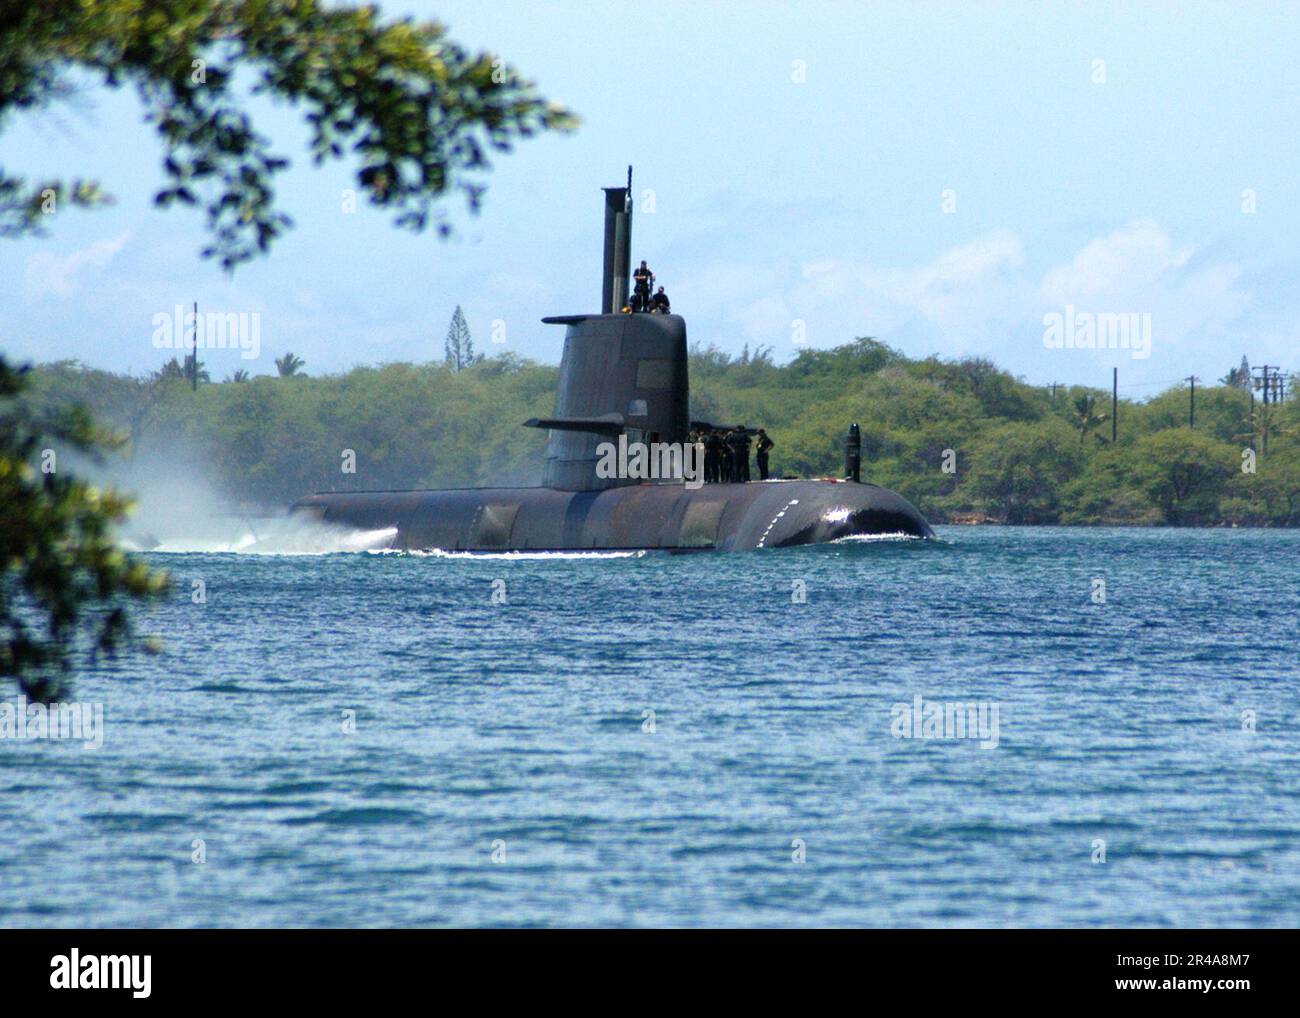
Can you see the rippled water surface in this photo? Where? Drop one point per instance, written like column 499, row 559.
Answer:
column 502, row 770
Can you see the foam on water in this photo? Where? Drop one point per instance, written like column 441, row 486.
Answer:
column 875, row 538
column 287, row 536
column 521, row 556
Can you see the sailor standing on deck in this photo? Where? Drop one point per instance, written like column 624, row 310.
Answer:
column 712, row 457
column 740, row 446
column 761, row 450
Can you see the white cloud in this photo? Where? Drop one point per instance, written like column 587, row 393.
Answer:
column 976, row 297
column 837, row 297
column 1138, row 268
column 1134, row 259
column 49, row 276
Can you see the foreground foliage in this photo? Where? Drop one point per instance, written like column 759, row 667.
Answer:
column 62, row 575
column 415, row 111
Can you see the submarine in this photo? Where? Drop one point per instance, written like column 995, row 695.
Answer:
column 624, row 382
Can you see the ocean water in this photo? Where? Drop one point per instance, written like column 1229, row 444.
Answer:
column 503, row 769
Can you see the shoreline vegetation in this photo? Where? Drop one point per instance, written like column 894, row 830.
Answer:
column 964, row 441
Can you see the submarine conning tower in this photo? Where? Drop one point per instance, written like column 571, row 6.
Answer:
column 621, row 374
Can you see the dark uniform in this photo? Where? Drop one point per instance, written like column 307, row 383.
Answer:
column 764, row 444
column 740, row 453
column 660, row 302
column 643, row 279
column 712, row 457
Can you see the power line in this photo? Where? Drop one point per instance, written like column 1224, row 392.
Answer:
column 1114, row 406
column 1147, row 385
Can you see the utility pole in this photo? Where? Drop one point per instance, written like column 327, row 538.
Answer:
column 194, row 352
column 1054, row 385
column 1114, row 406
column 1252, row 416
column 1191, row 407
column 1268, row 386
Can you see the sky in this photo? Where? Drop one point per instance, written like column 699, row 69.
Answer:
column 942, row 177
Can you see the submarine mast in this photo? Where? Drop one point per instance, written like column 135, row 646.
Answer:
column 618, row 247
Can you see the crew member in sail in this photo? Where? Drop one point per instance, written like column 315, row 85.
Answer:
column 660, row 302
column 643, row 280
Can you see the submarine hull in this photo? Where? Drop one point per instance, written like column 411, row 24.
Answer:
column 625, row 379
column 664, row 516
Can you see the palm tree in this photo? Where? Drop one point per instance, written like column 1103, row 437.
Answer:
column 195, row 375
column 240, row 375
column 172, row 369
column 289, row 366
column 1084, row 417
column 1238, row 378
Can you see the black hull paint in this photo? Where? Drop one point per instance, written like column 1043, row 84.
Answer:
column 725, row 517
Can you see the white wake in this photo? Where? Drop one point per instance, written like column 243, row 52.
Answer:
column 264, row 536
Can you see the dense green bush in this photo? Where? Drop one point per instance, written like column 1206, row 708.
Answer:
column 1015, row 454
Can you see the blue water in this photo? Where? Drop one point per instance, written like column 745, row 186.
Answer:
column 522, row 724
